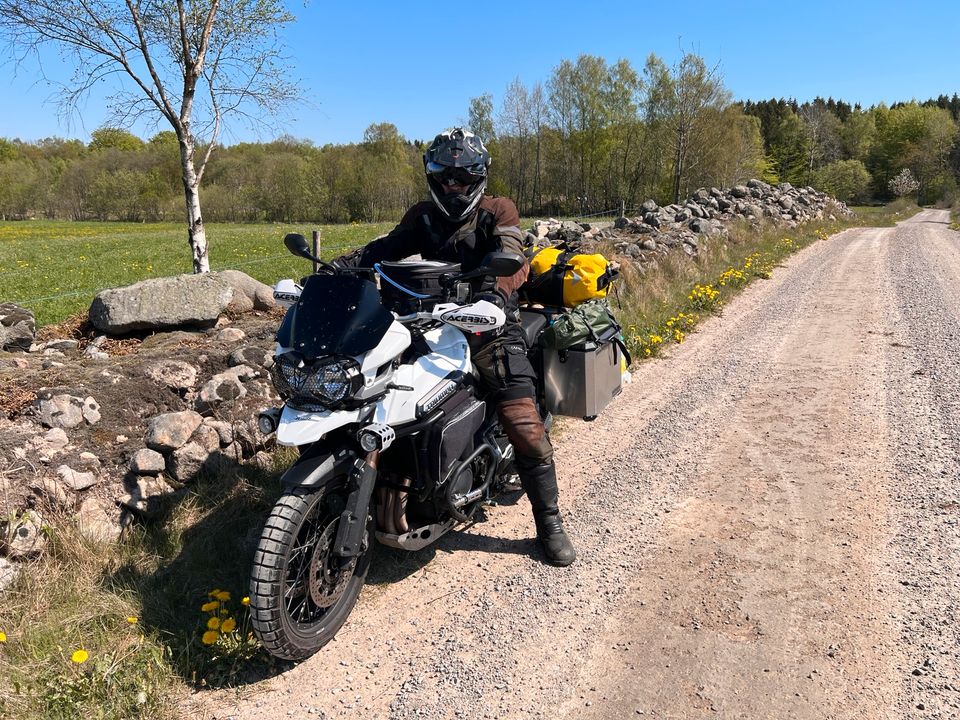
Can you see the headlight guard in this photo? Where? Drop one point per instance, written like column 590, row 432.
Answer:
column 321, row 384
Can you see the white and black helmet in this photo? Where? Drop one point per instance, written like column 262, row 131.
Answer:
column 456, row 157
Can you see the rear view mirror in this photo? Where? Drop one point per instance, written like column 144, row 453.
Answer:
column 497, row 264
column 502, row 264
column 297, row 244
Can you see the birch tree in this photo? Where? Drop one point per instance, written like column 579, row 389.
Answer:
column 679, row 98
column 192, row 63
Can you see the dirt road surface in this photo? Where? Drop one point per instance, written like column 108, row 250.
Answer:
column 767, row 522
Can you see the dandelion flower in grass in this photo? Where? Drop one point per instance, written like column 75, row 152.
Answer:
column 210, row 606
column 210, row 637
column 80, row 656
column 132, row 620
column 222, row 595
column 228, row 626
column 245, row 602
column 3, row 637
column 213, row 623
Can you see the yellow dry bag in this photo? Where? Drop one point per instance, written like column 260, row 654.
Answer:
column 560, row 278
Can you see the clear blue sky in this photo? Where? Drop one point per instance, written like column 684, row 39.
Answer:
column 417, row 63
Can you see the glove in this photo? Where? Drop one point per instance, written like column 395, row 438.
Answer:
column 491, row 297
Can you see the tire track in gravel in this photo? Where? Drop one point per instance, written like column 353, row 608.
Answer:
column 924, row 387
column 728, row 510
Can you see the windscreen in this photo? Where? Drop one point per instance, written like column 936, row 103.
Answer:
column 336, row 315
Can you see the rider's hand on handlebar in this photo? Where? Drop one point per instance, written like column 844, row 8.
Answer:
column 491, row 297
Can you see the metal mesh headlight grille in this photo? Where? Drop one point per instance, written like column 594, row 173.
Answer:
column 325, row 382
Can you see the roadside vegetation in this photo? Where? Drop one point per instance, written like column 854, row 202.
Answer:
column 127, row 631
column 666, row 302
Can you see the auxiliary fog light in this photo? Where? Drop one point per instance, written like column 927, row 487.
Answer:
column 376, row 436
column 268, row 420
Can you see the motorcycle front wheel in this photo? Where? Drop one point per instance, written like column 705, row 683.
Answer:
column 300, row 592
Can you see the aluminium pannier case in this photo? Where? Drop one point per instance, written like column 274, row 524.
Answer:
column 580, row 381
column 583, row 374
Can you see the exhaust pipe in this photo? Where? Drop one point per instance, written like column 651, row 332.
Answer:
column 392, row 508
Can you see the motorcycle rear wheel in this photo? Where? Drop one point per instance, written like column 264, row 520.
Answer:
column 300, row 592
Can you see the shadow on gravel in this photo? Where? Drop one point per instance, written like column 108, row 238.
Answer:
column 391, row 565
column 204, row 538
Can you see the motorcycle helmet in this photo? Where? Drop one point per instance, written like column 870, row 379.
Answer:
column 456, row 165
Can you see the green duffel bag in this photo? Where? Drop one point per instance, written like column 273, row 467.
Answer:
column 589, row 322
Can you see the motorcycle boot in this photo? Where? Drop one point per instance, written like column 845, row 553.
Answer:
column 538, row 475
column 540, row 484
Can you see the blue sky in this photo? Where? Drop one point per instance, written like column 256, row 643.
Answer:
column 416, row 64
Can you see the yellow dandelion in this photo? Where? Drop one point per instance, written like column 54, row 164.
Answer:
column 80, row 656
column 228, row 626
column 213, row 623
column 132, row 620
column 3, row 637
column 210, row 606
column 222, row 595
column 245, row 602
column 210, row 637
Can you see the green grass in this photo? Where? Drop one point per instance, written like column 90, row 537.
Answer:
column 886, row 215
column 56, row 268
column 83, row 595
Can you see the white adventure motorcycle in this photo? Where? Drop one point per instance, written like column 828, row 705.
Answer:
column 395, row 442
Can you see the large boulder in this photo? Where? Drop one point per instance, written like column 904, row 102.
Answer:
column 178, row 301
column 259, row 295
column 17, row 327
column 162, row 303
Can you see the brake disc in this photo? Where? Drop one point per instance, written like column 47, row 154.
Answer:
column 329, row 574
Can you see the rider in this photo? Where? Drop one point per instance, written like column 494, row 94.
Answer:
column 462, row 225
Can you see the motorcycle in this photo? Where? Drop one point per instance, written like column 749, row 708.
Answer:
column 396, row 443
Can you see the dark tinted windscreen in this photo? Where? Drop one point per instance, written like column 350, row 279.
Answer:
column 336, row 315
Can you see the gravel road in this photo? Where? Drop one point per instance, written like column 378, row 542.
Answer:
column 767, row 521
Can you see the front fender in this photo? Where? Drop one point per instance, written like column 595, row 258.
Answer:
column 302, row 427
column 319, row 465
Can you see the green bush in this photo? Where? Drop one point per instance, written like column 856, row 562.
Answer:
column 846, row 180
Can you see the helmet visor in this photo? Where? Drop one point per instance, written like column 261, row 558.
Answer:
column 446, row 175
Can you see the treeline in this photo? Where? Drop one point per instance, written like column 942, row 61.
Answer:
column 118, row 176
column 593, row 137
column 854, row 153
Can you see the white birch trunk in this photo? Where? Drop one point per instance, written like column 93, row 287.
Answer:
column 196, row 230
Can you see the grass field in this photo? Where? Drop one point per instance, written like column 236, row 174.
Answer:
column 56, row 268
